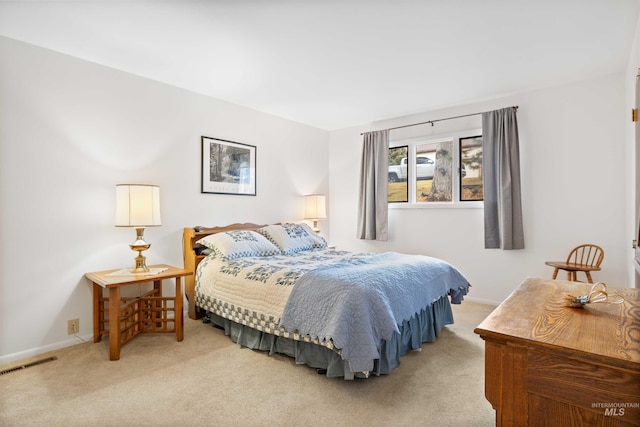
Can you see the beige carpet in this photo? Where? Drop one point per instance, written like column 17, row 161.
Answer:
column 211, row 381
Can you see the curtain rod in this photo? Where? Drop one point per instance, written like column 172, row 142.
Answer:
column 438, row 120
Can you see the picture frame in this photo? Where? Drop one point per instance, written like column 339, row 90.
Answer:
column 227, row 167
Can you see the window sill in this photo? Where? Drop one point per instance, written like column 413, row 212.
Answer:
column 437, row 205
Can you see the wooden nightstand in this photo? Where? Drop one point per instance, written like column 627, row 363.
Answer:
column 124, row 318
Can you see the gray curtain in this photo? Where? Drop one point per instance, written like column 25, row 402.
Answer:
column 501, row 163
column 374, row 178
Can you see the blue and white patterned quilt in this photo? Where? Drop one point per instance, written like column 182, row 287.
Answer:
column 357, row 306
column 343, row 300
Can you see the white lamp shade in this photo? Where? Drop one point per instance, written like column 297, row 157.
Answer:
column 315, row 206
column 137, row 205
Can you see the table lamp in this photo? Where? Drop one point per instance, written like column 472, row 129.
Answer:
column 315, row 209
column 138, row 206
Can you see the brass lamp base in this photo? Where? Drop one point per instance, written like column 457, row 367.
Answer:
column 141, row 264
column 140, row 245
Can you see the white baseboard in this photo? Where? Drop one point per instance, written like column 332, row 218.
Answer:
column 56, row 346
column 45, row 348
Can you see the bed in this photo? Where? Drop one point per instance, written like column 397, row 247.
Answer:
column 280, row 288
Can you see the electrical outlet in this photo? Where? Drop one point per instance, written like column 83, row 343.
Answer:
column 73, row 326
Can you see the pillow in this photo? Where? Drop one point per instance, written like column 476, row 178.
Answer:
column 239, row 243
column 291, row 238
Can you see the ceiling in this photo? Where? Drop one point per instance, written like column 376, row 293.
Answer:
column 338, row 63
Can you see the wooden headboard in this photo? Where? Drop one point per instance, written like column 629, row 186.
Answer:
column 192, row 257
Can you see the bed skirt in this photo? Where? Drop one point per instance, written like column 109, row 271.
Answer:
column 423, row 327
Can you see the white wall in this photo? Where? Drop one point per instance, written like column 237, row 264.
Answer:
column 572, row 149
column 631, row 152
column 70, row 131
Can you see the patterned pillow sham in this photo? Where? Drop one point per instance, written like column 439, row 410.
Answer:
column 239, row 243
column 292, row 238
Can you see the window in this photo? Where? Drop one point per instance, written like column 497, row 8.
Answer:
column 398, row 185
column 434, row 184
column 471, row 169
column 436, row 171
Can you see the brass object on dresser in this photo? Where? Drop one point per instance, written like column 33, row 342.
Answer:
column 547, row 364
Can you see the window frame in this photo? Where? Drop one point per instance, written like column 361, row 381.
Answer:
column 408, row 157
column 460, row 167
column 412, row 143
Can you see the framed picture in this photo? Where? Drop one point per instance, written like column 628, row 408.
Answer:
column 228, row 167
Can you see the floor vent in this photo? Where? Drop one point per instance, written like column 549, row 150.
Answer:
column 28, row 365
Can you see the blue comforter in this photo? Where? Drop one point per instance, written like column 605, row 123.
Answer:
column 357, row 306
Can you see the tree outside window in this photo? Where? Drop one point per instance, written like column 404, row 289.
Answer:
column 471, row 169
column 435, row 178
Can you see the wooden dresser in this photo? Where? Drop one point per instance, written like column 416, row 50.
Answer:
column 551, row 365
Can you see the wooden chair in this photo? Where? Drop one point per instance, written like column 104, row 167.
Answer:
column 586, row 258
